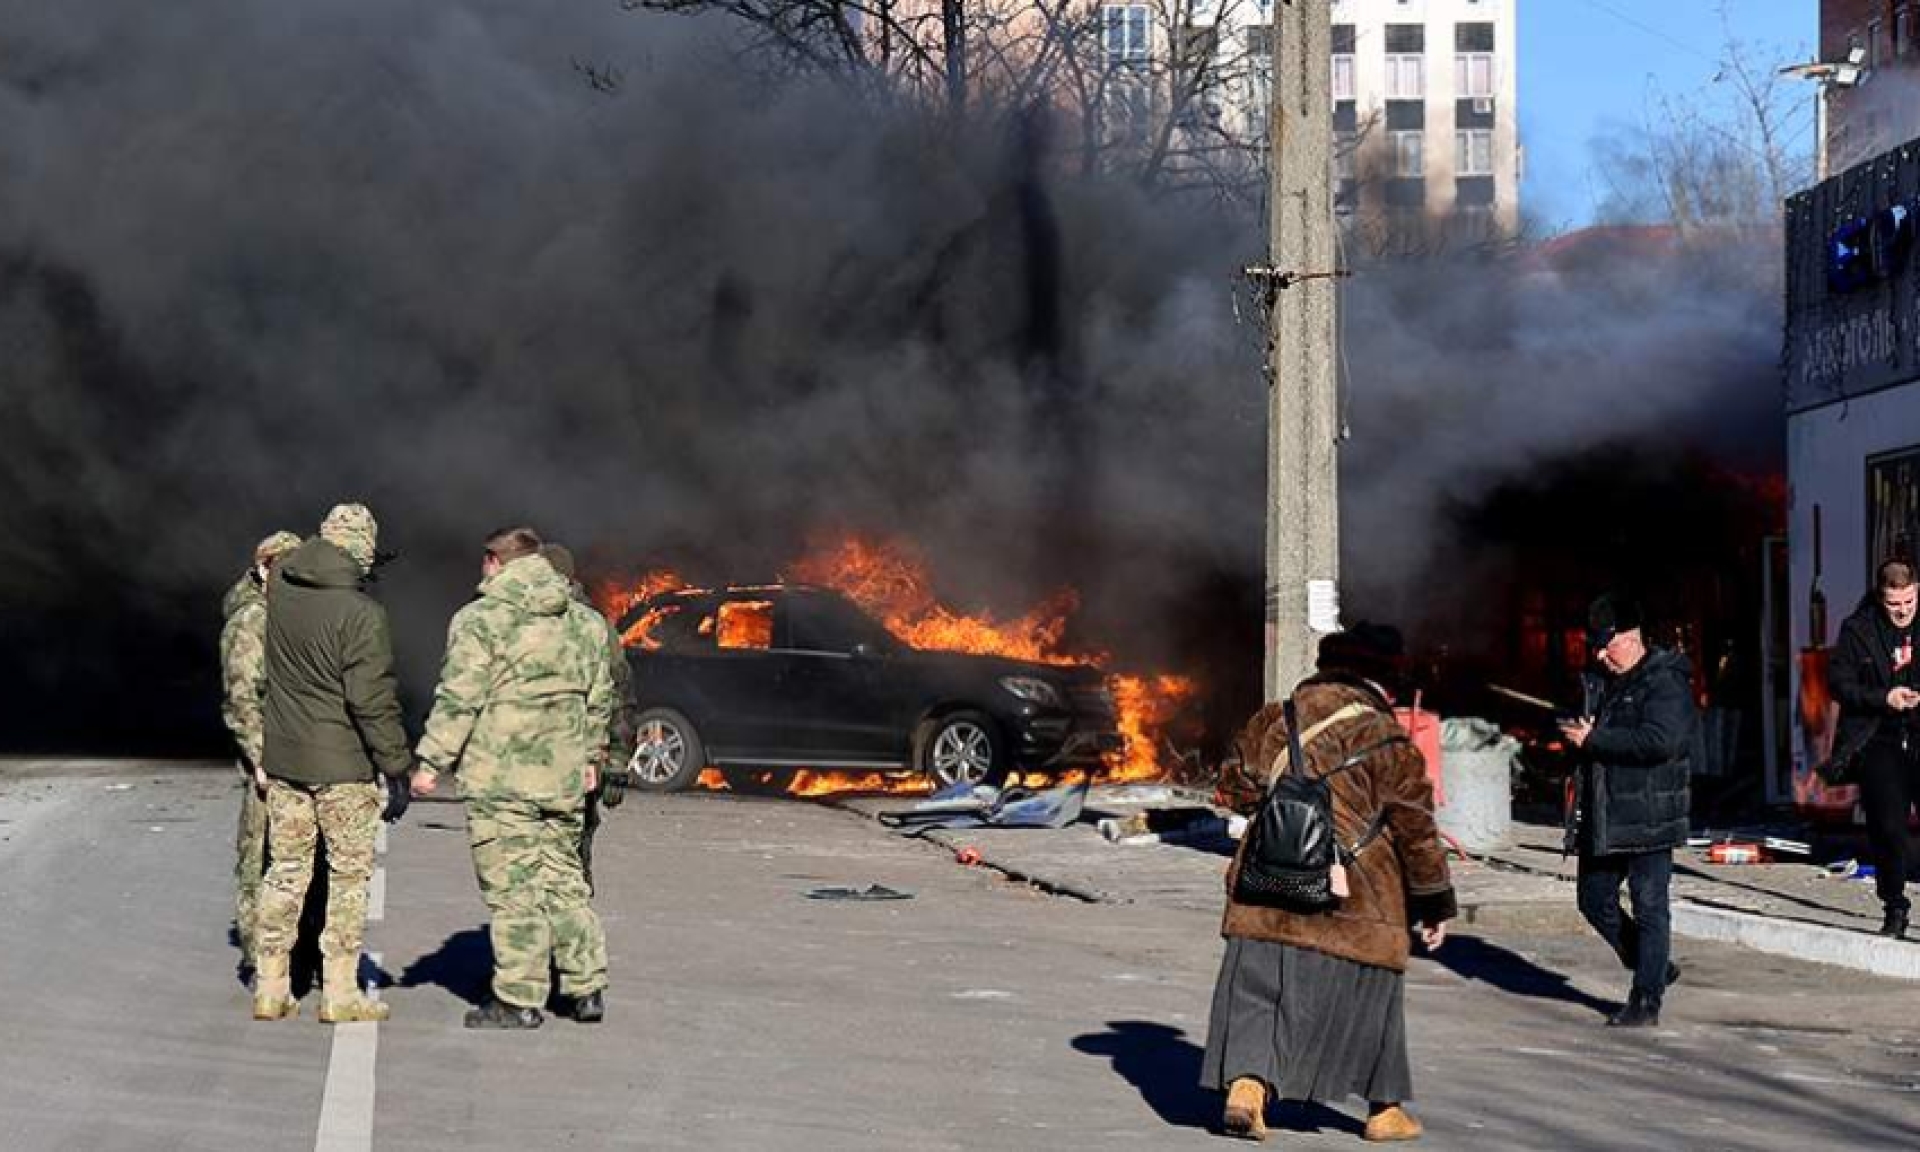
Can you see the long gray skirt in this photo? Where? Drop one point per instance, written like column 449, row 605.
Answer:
column 1312, row 1026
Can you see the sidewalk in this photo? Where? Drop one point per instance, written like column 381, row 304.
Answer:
column 1785, row 909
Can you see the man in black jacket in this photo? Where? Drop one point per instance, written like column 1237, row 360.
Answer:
column 1873, row 678
column 1632, row 806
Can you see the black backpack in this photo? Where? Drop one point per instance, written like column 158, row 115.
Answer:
column 1291, row 845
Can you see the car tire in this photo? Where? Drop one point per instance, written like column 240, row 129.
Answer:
column 755, row 781
column 961, row 745
column 667, row 753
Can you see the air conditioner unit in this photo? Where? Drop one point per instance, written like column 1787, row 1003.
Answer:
column 1483, row 105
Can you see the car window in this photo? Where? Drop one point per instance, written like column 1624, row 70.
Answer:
column 823, row 623
column 665, row 625
column 742, row 624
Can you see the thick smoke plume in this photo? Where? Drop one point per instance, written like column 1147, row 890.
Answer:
column 255, row 260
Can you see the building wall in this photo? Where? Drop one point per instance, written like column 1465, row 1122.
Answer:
column 1884, row 108
column 1852, row 392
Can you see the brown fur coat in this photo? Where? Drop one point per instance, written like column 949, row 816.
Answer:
column 1400, row 878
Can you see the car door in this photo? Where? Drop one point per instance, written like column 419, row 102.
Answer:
column 720, row 668
column 841, row 698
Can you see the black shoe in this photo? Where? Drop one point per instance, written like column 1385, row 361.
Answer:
column 1673, row 974
column 1895, row 925
column 1638, row 1013
column 589, row 1009
column 499, row 1014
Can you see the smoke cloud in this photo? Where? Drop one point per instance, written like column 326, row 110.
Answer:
column 254, row 261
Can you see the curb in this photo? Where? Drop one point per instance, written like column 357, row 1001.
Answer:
column 1818, row 943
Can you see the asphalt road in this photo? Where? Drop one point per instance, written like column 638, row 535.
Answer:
column 977, row 1015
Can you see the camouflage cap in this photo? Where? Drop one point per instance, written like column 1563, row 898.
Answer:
column 561, row 557
column 274, row 547
column 352, row 529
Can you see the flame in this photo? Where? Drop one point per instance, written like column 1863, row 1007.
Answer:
column 891, row 581
column 616, row 596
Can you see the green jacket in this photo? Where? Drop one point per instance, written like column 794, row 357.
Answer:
column 243, row 665
column 333, row 706
column 526, row 693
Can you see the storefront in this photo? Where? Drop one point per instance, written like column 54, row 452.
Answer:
column 1852, row 365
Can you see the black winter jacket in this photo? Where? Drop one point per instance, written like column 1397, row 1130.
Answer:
column 333, row 706
column 1637, row 761
column 1859, row 674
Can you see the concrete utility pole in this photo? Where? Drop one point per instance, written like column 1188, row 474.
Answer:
column 1303, row 521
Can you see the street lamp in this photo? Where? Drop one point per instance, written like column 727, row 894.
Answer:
column 1828, row 75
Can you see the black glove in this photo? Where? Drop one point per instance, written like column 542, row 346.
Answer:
column 398, row 797
column 613, row 787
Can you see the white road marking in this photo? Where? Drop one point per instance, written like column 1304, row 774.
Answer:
column 346, row 1111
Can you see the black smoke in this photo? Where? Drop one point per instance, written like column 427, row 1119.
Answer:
column 255, row 260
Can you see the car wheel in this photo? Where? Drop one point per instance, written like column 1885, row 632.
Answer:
column 962, row 747
column 755, row 781
column 667, row 753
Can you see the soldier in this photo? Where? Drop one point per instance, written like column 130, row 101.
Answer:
column 522, row 711
column 243, row 680
column 333, row 728
column 613, row 770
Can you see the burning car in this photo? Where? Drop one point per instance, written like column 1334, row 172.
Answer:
column 764, row 681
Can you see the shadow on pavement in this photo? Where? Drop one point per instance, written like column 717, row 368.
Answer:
column 1162, row 1065
column 1476, row 959
column 463, row 965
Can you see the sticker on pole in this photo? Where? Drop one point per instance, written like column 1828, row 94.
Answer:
column 1323, row 606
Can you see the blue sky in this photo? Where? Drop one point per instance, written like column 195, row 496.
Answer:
column 1586, row 67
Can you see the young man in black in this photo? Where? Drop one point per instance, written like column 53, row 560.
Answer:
column 1874, row 679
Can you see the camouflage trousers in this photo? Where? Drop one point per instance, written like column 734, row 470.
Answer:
column 526, row 855
column 299, row 816
column 249, row 864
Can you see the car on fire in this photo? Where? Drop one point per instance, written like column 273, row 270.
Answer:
column 763, row 681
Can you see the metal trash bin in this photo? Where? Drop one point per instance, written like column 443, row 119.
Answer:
column 1477, row 764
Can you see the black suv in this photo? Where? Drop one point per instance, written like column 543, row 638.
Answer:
column 762, row 681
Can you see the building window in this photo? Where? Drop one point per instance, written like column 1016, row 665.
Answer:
column 1873, row 45
column 1343, row 77
column 1345, row 145
column 1473, row 152
column 1406, row 39
column 1903, row 31
column 1409, row 154
column 1126, row 34
column 1473, row 75
column 1406, row 77
column 1473, row 37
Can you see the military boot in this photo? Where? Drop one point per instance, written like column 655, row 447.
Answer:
column 341, row 1001
column 273, row 988
column 1246, row 1115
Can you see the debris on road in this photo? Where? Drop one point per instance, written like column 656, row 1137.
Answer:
column 870, row 892
column 981, row 806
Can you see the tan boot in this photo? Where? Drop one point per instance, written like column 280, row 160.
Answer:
column 341, row 1001
column 273, row 988
column 1390, row 1122
column 1246, row 1109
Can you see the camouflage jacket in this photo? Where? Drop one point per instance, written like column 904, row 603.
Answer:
column 526, row 693
column 243, row 666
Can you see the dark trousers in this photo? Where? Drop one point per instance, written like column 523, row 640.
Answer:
column 1643, row 941
column 1889, row 778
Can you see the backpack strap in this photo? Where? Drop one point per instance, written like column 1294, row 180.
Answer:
column 1379, row 822
column 1296, row 758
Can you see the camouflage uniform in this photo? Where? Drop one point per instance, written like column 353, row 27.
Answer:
column 523, row 707
column 243, row 676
